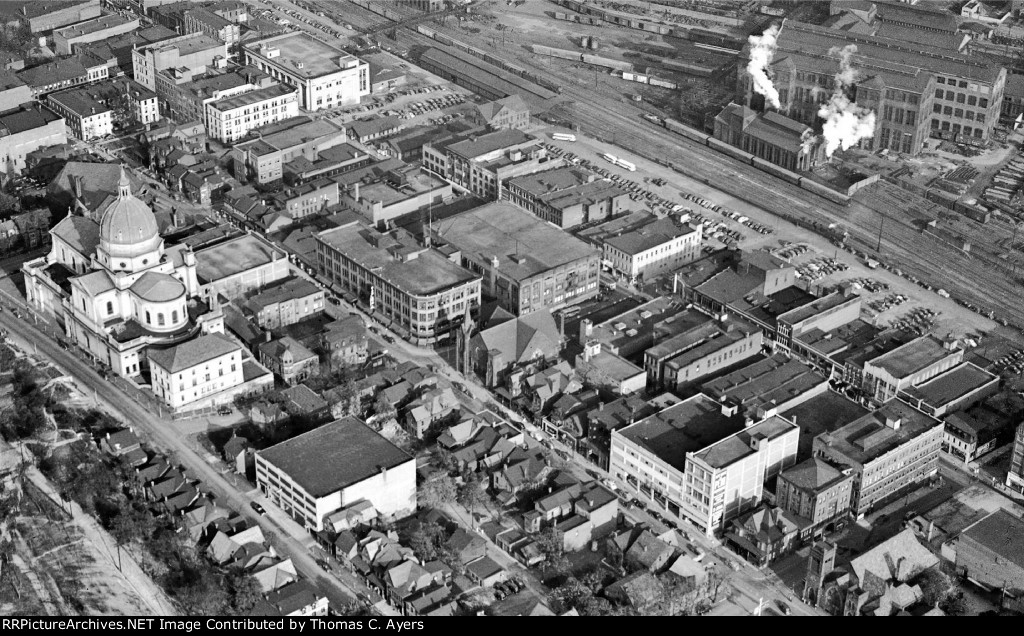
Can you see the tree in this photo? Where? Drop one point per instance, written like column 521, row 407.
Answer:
column 550, row 545
column 426, row 540
column 714, row 583
column 471, row 494
column 245, row 591
column 383, row 407
column 954, row 604
column 572, row 593
column 440, row 489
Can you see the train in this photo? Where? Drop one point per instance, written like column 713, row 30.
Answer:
column 563, row 137
column 801, row 181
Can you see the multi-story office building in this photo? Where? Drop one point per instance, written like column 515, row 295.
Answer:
column 419, row 292
column 334, row 466
column 326, row 77
column 698, row 461
column 231, row 118
column 186, row 100
column 64, row 73
column 915, row 90
column 701, row 351
column 526, row 264
column 567, row 196
column 194, row 51
column 889, row 451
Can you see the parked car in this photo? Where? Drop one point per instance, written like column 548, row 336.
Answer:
column 785, row 608
column 258, row 508
column 224, row 410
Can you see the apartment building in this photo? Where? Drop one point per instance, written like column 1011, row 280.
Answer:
column 86, row 116
column 285, row 303
column 325, row 77
column 817, row 491
column 889, row 451
column 186, row 100
column 414, row 289
column 309, row 198
column 231, row 118
column 526, row 264
column 194, row 51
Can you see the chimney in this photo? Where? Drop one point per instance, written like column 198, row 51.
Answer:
column 586, row 330
column 495, row 262
column 76, row 185
column 267, row 335
column 728, row 409
column 893, row 422
column 384, row 473
column 600, row 406
column 355, row 191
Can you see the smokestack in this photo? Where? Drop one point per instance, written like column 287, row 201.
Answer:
column 762, row 50
column 846, row 123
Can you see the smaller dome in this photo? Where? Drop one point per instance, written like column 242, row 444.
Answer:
column 155, row 287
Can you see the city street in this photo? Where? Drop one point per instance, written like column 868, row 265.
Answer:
column 290, row 541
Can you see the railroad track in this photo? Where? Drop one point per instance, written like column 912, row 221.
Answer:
column 903, row 245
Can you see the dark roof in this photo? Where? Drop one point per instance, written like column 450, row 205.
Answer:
column 350, row 449
column 27, row 118
column 1001, row 533
column 813, row 474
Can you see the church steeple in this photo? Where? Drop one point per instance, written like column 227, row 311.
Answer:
column 124, row 186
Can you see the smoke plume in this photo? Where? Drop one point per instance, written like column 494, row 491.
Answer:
column 762, row 50
column 846, row 123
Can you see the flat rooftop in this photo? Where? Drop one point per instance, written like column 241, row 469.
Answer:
column 490, row 142
column 188, row 44
column 773, row 380
column 289, row 289
column 817, row 306
column 335, row 456
column 868, row 437
column 316, row 57
column 615, row 367
column 1001, row 533
column 706, row 341
column 523, row 244
column 396, row 258
column 301, row 132
column 92, row 26
column 914, row 356
column 823, row 413
column 687, row 427
column 739, row 445
column 640, row 240
column 952, row 385
column 234, row 257
column 254, row 97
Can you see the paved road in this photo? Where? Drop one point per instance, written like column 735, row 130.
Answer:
column 163, row 436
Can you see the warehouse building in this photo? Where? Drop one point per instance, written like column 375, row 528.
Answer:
column 333, row 467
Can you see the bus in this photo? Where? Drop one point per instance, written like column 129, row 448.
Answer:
column 626, row 164
column 563, row 137
column 611, row 158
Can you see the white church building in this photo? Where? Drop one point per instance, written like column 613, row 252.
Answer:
column 116, row 289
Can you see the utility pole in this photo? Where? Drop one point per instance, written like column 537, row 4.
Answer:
column 881, row 224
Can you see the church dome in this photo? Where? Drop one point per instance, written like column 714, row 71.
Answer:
column 128, row 227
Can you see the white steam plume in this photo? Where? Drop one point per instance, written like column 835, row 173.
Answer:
column 846, row 123
column 762, row 50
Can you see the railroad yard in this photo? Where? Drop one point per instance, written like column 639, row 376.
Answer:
column 882, row 216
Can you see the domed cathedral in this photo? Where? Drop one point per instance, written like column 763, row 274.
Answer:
column 115, row 288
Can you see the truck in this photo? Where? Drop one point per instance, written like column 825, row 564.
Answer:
column 610, row 158
column 626, row 164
